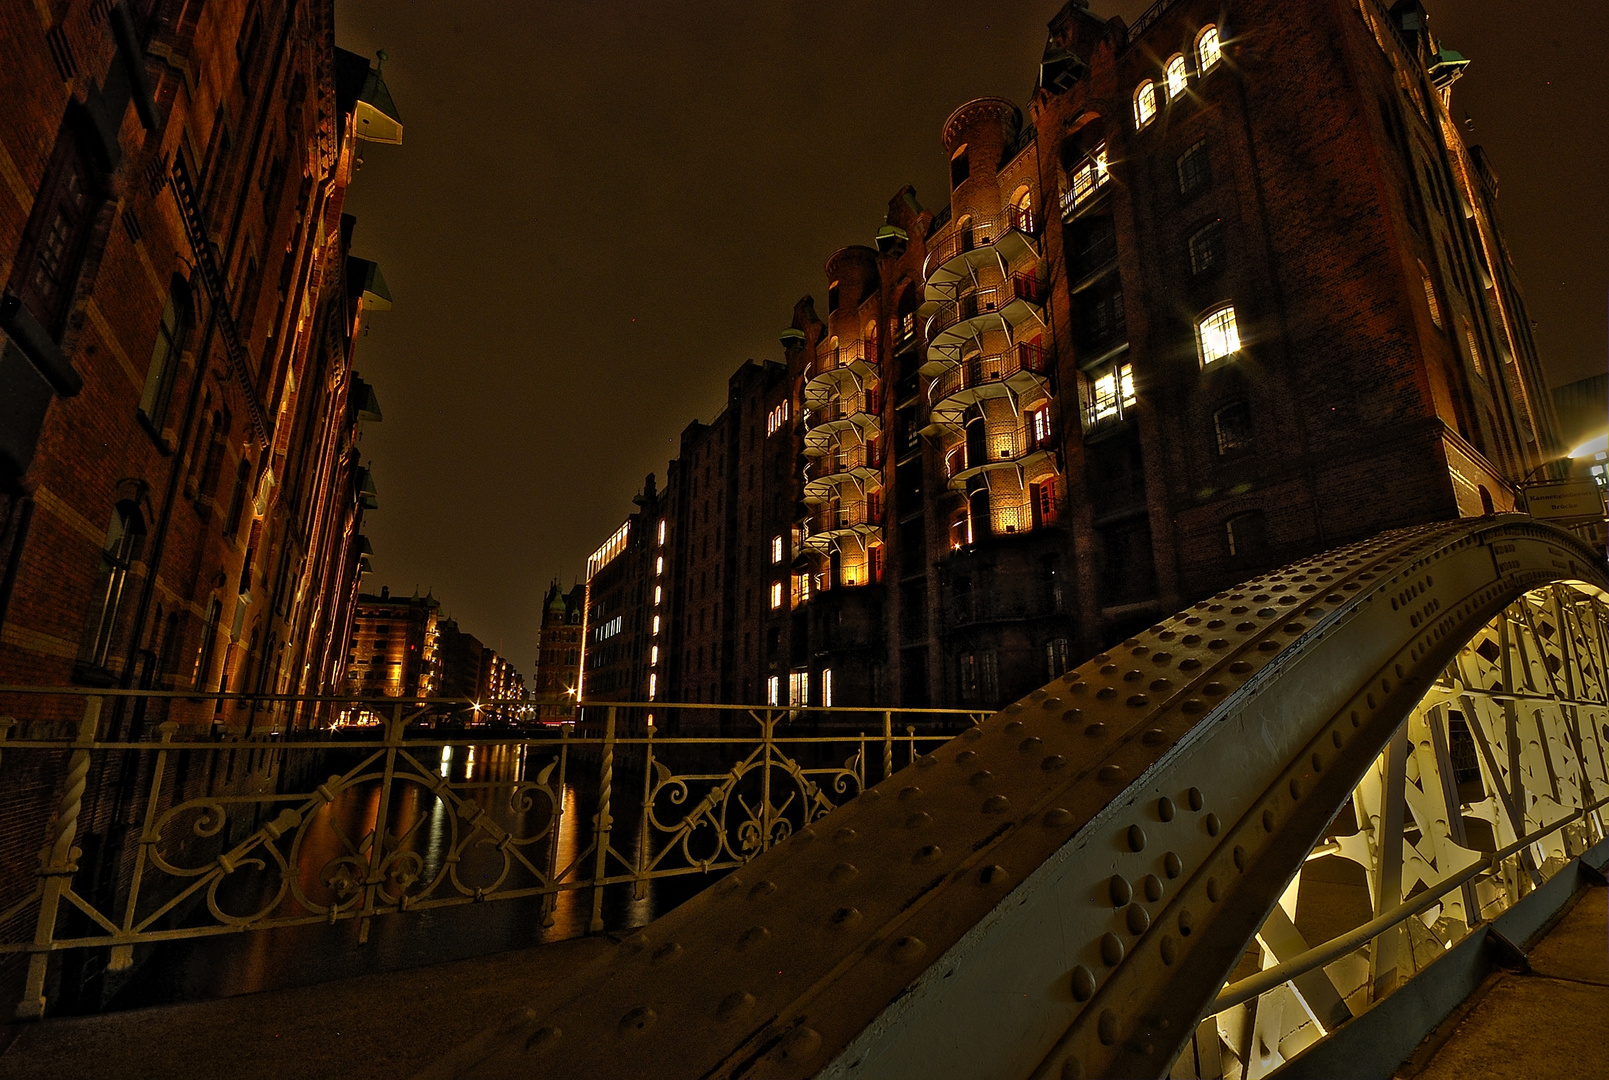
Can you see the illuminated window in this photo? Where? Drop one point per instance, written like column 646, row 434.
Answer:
column 653, row 685
column 1208, row 52
column 1217, row 335
column 773, row 688
column 653, row 655
column 1474, row 352
column 1112, row 393
column 1430, row 296
column 776, row 595
column 1144, row 103
column 661, row 530
column 799, row 688
column 659, row 565
column 1175, row 76
column 1089, row 177
column 776, row 549
column 656, row 625
column 826, row 687
column 657, row 594
column 1039, row 425
column 776, row 419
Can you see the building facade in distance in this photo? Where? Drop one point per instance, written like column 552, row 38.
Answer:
column 1229, row 291
column 555, row 684
column 395, row 648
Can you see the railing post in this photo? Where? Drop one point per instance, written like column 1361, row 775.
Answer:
column 58, row 862
column 551, row 899
column 371, row 886
column 641, row 890
column 767, row 725
column 888, row 743
column 123, row 955
column 910, row 733
column 605, row 821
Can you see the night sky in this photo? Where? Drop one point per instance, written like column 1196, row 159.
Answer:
column 601, row 209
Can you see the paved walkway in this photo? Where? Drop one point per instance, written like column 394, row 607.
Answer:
column 1549, row 1024
column 374, row 1027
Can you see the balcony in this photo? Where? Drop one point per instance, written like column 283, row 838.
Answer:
column 829, row 526
column 849, row 367
column 856, row 413
column 1018, row 450
column 1005, row 307
column 961, row 248
column 858, row 465
column 1015, row 372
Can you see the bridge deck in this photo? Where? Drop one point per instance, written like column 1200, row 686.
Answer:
column 1544, row 1024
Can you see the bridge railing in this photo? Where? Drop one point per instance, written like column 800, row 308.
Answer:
column 213, row 814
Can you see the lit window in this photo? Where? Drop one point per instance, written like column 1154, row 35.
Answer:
column 1175, row 75
column 773, row 687
column 653, row 655
column 1111, row 394
column 776, row 549
column 1090, row 175
column 776, row 595
column 1208, row 52
column 653, row 685
column 661, row 530
column 826, row 687
column 659, row 565
column 1430, row 296
column 1040, row 423
column 799, row 688
column 1232, row 426
column 1144, row 103
column 657, row 594
column 1474, row 352
column 1217, row 335
column 656, row 625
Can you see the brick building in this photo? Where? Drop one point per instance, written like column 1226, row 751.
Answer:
column 181, row 492
column 470, row 669
column 395, row 649
column 556, row 680
column 1230, row 290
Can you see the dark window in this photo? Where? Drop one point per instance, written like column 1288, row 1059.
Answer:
column 122, row 546
column 832, row 297
column 237, row 500
column 960, row 168
column 170, row 333
column 209, row 635
column 1128, row 573
column 1101, row 319
column 1057, row 656
column 53, row 245
column 1232, row 425
column 1094, row 245
column 988, row 677
column 1246, row 534
column 1207, row 248
column 967, row 670
column 1194, row 171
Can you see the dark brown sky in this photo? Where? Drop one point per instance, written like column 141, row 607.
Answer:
column 602, row 208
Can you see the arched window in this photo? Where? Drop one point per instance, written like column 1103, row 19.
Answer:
column 1175, row 75
column 122, row 547
column 1208, row 52
column 1217, row 335
column 1022, row 210
column 1144, row 103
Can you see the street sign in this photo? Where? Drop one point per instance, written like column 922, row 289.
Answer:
column 1564, row 500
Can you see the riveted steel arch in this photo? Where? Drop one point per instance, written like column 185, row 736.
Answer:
column 1063, row 890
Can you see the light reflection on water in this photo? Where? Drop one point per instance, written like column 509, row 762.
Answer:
column 499, row 779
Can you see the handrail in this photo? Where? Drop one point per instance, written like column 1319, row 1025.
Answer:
column 979, row 232
column 997, row 297
column 1296, row 966
column 991, row 368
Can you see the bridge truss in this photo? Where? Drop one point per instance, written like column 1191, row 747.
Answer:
column 1199, row 854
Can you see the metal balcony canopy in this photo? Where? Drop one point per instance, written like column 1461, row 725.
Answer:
column 377, row 115
column 364, row 277
column 367, row 402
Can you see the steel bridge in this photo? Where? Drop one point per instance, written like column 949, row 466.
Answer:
column 1280, row 831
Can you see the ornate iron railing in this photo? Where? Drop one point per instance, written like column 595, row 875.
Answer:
column 347, row 810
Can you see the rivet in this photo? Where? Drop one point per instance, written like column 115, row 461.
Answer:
column 991, row 874
column 1014, row 707
column 1186, row 922
column 801, row 1044
column 1240, row 857
column 1213, row 688
column 1161, row 684
column 1083, row 983
column 979, row 778
column 1106, row 1027
column 1217, row 643
column 1111, row 950
column 844, row 836
column 637, row 1020
column 1136, row 700
column 844, row 916
column 1110, row 774
column 972, row 734
column 926, row 761
column 1030, row 744
column 1268, row 821
column 1013, row 727
column 966, row 757
column 907, row 949
column 1078, row 688
column 927, row 854
column 1239, row 667
column 1295, row 788
column 1171, row 865
column 1164, row 808
column 639, row 942
column 1136, row 838
column 1072, row 716
column 1213, row 891
column 1120, row 890
column 762, row 889
column 1189, row 663
column 1194, row 705
column 1095, row 730
column 1267, row 646
column 995, row 804
column 731, row 885
column 1213, row 825
column 841, row 873
column 1169, row 950
column 1138, row 918
column 543, row 1037
column 734, row 1003
column 1133, row 675
column 1050, row 704
column 1072, row 1069
column 804, row 836
column 751, row 937
column 1151, row 885
column 1053, row 762
column 1106, row 693
column 668, row 951
column 1057, row 817
column 917, row 820
column 910, row 792
column 1154, row 736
